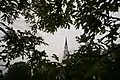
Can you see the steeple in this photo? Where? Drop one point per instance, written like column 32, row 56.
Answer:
column 66, row 51
column 66, row 41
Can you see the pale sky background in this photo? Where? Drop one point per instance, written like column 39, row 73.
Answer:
column 56, row 41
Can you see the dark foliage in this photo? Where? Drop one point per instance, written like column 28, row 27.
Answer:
column 97, row 59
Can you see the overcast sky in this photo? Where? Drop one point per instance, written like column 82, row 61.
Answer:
column 56, row 41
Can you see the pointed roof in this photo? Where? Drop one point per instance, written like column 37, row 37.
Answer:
column 66, row 41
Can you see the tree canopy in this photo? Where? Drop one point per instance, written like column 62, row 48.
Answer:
column 97, row 59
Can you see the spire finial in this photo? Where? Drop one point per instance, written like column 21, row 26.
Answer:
column 66, row 41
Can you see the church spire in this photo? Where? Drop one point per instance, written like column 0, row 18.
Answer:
column 66, row 41
column 66, row 51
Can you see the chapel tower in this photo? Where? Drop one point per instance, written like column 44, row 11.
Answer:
column 66, row 51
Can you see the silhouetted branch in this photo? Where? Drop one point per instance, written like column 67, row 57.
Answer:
column 109, row 52
column 110, row 17
column 3, row 29
column 3, row 65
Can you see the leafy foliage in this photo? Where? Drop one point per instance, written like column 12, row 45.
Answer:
column 97, row 59
column 19, row 44
column 18, row 71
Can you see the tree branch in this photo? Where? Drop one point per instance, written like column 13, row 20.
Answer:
column 109, row 52
column 3, row 65
column 3, row 29
column 110, row 16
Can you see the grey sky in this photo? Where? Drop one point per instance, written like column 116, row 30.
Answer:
column 56, row 41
